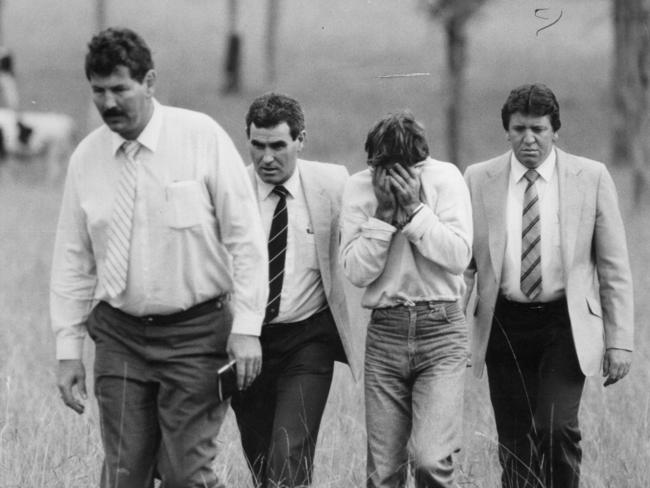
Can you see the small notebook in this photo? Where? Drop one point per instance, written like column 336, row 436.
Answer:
column 227, row 379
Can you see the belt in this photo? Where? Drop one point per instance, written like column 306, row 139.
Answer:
column 281, row 325
column 420, row 303
column 532, row 307
column 174, row 318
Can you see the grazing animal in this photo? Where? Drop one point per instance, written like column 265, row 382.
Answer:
column 46, row 136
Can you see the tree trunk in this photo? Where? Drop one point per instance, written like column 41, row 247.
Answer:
column 456, row 62
column 2, row 22
column 100, row 15
column 232, row 65
column 273, row 15
column 630, row 89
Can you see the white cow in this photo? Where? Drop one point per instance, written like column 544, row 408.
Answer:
column 52, row 139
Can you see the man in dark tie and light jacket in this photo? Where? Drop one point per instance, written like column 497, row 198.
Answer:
column 554, row 295
column 306, row 325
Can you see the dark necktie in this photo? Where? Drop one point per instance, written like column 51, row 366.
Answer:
column 531, row 256
column 277, row 253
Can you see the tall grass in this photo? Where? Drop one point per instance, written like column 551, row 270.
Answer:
column 331, row 54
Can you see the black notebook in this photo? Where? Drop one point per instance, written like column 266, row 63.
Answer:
column 227, row 379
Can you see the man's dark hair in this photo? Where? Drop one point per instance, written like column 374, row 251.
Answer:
column 534, row 99
column 115, row 47
column 396, row 138
column 272, row 109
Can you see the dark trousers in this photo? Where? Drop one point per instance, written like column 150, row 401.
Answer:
column 155, row 383
column 279, row 415
column 535, row 386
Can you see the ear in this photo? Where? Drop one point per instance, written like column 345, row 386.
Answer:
column 556, row 136
column 149, row 82
column 301, row 139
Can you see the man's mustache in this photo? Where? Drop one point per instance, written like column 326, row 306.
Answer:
column 112, row 112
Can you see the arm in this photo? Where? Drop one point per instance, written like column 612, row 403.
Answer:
column 365, row 238
column 443, row 236
column 243, row 236
column 72, row 287
column 615, row 280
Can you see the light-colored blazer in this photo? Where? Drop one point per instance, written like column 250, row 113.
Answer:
column 597, row 276
column 323, row 184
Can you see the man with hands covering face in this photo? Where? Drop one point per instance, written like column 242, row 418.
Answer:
column 406, row 234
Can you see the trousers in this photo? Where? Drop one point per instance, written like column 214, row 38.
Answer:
column 155, row 383
column 415, row 366
column 535, row 386
column 279, row 415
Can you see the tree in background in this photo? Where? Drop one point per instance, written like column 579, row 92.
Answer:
column 272, row 20
column 630, row 84
column 454, row 14
column 232, row 65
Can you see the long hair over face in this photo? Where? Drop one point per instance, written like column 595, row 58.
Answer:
column 397, row 138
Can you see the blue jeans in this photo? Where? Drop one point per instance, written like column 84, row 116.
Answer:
column 414, row 377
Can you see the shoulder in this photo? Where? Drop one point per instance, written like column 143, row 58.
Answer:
column 190, row 121
column 330, row 170
column 97, row 142
column 330, row 177
column 587, row 169
column 441, row 174
column 487, row 166
column 358, row 189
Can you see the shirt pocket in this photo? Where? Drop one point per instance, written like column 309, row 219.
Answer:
column 183, row 204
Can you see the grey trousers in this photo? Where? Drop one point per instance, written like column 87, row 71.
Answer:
column 155, row 383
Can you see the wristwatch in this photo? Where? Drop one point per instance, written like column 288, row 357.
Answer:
column 410, row 216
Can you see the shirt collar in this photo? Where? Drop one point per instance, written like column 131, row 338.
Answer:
column 292, row 185
column 545, row 170
column 150, row 134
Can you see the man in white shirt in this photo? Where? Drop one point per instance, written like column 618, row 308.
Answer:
column 306, row 326
column 554, row 290
column 160, row 257
column 406, row 237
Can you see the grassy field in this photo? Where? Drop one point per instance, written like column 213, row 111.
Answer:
column 331, row 56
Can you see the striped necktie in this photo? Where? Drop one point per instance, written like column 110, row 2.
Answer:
column 119, row 234
column 531, row 258
column 277, row 253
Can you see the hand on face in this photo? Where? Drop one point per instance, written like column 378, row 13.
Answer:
column 386, row 202
column 405, row 183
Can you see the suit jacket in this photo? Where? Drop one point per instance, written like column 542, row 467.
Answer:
column 597, row 278
column 323, row 185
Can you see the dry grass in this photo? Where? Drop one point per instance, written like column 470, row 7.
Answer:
column 331, row 55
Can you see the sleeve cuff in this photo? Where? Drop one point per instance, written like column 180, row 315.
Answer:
column 69, row 348
column 416, row 228
column 247, row 324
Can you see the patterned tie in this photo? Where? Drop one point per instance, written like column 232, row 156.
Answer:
column 531, row 258
column 277, row 252
column 119, row 233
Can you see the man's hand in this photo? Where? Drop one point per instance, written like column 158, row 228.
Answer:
column 616, row 365
column 247, row 351
column 386, row 203
column 72, row 373
column 405, row 182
